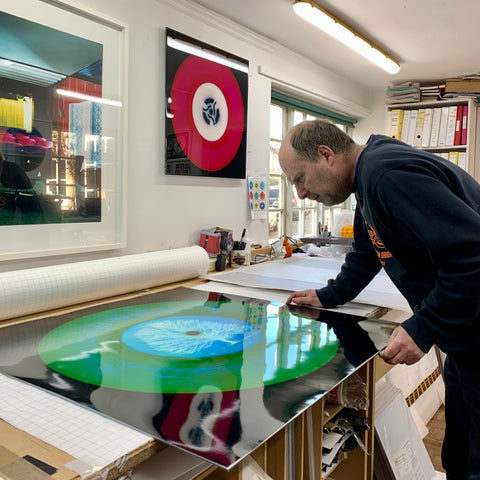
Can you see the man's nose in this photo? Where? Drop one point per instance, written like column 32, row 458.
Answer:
column 302, row 192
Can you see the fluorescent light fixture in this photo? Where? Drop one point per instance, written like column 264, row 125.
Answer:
column 331, row 25
column 28, row 73
column 89, row 98
column 187, row 47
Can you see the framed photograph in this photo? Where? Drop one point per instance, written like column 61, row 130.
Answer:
column 62, row 130
column 206, row 115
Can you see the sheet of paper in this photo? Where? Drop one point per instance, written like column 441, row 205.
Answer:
column 301, row 272
column 84, row 434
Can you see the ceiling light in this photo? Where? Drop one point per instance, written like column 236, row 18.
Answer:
column 331, row 25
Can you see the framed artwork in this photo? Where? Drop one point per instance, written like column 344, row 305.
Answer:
column 62, row 130
column 206, row 109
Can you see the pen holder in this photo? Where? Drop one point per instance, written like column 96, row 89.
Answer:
column 240, row 258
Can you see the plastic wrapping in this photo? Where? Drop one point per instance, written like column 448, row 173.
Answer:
column 341, row 220
column 352, row 393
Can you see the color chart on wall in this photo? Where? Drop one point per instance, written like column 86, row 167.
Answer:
column 257, row 196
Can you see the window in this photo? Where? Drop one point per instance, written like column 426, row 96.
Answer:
column 277, row 183
column 288, row 215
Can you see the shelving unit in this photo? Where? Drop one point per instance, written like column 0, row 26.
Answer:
column 471, row 148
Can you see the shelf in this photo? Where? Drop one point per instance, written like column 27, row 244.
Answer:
column 302, row 441
column 330, row 410
column 432, row 103
column 468, row 149
column 447, row 148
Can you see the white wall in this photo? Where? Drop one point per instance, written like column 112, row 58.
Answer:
column 375, row 122
column 166, row 212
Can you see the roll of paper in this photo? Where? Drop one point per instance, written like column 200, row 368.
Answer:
column 40, row 289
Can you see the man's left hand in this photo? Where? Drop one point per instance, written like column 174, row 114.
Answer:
column 401, row 349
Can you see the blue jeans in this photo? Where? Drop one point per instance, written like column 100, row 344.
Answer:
column 461, row 445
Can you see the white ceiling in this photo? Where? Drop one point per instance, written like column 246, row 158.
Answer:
column 432, row 39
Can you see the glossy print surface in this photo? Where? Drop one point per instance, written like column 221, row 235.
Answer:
column 212, row 374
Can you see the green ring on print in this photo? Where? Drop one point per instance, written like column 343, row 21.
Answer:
column 270, row 346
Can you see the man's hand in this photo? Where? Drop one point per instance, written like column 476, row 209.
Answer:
column 401, row 349
column 305, row 297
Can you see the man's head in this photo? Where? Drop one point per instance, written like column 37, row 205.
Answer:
column 319, row 159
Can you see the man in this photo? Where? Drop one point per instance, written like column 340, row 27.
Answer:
column 418, row 217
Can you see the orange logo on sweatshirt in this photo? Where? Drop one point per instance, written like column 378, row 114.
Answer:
column 380, row 248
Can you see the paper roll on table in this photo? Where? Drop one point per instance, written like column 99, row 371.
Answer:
column 40, row 289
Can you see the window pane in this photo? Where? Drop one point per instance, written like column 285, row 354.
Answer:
column 295, row 223
column 298, row 117
column 296, row 202
column 274, row 219
column 275, row 195
column 327, row 226
column 310, row 225
column 276, row 122
column 274, row 164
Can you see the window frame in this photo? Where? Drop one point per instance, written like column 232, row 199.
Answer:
column 285, row 212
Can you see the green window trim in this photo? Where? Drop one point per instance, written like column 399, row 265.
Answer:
column 287, row 101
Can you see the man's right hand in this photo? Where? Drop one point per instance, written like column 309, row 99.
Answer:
column 304, row 297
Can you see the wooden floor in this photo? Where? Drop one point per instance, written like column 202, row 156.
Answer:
column 433, row 441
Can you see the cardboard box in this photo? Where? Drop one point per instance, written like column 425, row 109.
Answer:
column 29, row 457
column 462, row 85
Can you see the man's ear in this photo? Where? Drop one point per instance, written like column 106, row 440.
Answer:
column 327, row 153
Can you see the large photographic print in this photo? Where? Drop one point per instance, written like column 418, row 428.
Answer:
column 211, row 374
column 61, row 110
column 206, row 110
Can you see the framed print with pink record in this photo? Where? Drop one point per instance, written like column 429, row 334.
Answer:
column 206, row 110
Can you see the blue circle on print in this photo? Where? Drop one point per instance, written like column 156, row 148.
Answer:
column 262, row 185
column 250, row 184
column 192, row 336
column 262, row 205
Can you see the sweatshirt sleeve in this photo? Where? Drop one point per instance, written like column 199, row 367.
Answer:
column 434, row 221
column 360, row 267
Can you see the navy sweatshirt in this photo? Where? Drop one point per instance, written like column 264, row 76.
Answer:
column 418, row 217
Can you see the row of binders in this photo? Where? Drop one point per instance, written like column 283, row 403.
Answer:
column 458, row 158
column 444, row 126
